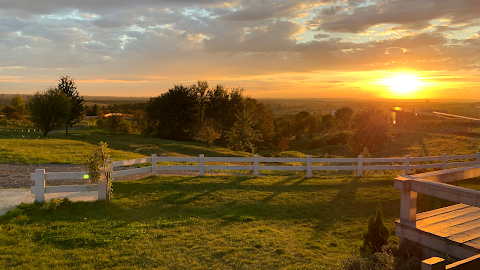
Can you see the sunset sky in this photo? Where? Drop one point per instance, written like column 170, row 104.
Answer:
column 275, row 49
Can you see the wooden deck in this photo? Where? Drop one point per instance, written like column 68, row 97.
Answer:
column 452, row 230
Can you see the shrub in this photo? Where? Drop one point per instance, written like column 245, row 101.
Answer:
column 377, row 234
column 126, row 126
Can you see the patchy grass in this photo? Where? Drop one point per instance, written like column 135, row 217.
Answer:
column 32, row 148
column 214, row 222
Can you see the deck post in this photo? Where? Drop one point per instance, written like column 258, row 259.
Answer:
column 309, row 166
column 407, row 165
column 154, row 164
column 408, row 206
column 39, row 185
column 201, row 163
column 434, row 263
column 255, row 166
column 360, row 165
column 444, row 161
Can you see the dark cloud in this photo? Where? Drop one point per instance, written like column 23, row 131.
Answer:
column 410, row 13
column 318, row 36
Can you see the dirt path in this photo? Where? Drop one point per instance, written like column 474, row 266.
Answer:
column 18, row 175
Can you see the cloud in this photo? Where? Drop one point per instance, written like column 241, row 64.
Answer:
column 411, row 14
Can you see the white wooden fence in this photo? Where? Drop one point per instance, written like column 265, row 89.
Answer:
column 257, row 164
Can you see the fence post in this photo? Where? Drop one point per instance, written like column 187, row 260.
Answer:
column 39, row 185
column 360, row 165
column 201, row 163
column 434, row 263
column 444, row 161
column 309, row 166
column 478, row 158
column 255, row 166
column 154, row 164
column 407, row 165
column 102, row 185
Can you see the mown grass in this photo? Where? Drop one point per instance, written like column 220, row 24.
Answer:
column 32, row 148
column 214, row 222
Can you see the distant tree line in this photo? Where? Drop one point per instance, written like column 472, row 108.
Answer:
column 207, row 113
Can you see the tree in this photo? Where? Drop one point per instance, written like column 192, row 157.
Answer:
column 17, row 102
column 284, row 126
column 344, row 117
column 208, row 132
column 377, row 234
column 113, row 123
column 371, row 129
column 11, row 112
column 328, row 122
column 48, row 109
column 174, row 114
column 77, row 110
column 242, row 135
column 98, row 159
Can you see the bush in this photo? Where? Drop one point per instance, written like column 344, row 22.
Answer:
column 126, row 126
column 377, row 234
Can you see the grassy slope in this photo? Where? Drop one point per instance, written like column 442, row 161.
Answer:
column 216, row 222
column 17, row 147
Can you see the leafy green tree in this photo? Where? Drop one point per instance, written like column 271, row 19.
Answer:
column 11, row 112
column 208, row 132
column 284, row 126
column 327, row 122
column 17, row 102
column 344, row 117
column 113, row 124
column 48, row 109
column 174, row 114
column 304, row 123
column 67, row 85
column 372, row 129
column 242, row 136
column 100, row 158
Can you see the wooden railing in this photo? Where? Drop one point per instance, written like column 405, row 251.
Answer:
column 256, row 164
column 435, row 184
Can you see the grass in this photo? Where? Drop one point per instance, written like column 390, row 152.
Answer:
column 32, row 148
column 214, row 222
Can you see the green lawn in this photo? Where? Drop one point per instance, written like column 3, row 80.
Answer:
column 22, row 147
column 214, row 222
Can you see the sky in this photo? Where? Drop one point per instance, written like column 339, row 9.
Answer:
column 274, row 49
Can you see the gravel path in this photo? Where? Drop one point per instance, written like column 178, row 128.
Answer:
column 18, row 175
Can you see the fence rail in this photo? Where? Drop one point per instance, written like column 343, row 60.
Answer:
column 257, row 164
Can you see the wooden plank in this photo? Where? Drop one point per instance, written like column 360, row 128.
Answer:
column 282, row 168
column 444, row 216
column 229, row 159
column 418, row 159
column 178, row 168
column 466, row 264
column 178, row 159
column 434, row 242
column 283, row 159
column 384, row 159
column 228, row 168
column 334, row 168
column 451, row 219
column 70, row 188
column 466, row 236
column 132, row 171
column 442, row 210
column 426, row 166
column 450, row 175
column 131, row 162
column 462, row 156
column 65, row 175
column 474, row 243
column 384, row 167
column 447, row 192
column 456, row 229
column 334, row 160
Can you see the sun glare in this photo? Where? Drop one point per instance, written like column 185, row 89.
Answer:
column 403, row 83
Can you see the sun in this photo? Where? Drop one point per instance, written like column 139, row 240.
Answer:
column 403, row 83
